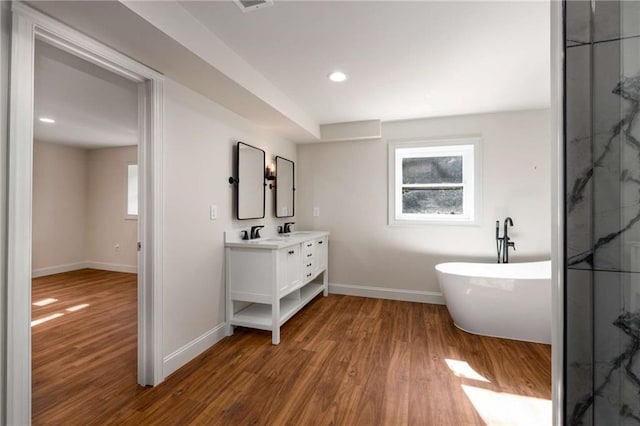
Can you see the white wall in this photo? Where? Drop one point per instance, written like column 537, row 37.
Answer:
column 59, row 206
column 348, row 182
column 79, row 199
column 107, row 225
column 199, row 142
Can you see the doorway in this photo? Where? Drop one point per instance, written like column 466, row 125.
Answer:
column 29, row 26
column 84, row 232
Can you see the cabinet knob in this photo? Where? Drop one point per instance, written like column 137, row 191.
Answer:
column 320, row 242
column 309, row 255
column 309, row 245
column 291, row 252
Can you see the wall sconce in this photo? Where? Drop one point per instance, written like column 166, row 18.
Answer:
column 270, row 174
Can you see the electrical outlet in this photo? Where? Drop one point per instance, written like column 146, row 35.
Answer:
column 213, row 212
column 316, row 212
column 116, row 247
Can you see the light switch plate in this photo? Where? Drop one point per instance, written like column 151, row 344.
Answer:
column 213, row 212
column 316, row 212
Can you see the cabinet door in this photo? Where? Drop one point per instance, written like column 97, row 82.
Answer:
column 290, row 269
column 321, row 254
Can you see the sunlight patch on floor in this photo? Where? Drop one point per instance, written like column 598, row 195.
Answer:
column 45, row 319
column 77, row 307
column 45, row 302
column 500, row 408
column 464, row 370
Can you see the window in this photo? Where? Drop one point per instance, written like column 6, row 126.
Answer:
column 132, row 191
column 434, row 182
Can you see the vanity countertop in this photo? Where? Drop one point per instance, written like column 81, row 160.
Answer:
column 276, row 241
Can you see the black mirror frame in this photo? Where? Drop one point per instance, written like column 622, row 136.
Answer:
column 238, row 183
column 293, row 189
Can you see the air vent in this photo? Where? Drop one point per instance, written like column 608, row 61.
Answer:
column 250, row 5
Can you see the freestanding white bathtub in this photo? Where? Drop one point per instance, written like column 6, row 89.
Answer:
column 510, row 300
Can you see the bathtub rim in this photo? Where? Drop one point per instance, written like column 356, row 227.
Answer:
column 490, row 266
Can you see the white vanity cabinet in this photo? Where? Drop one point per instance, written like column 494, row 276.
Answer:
column 268, row 280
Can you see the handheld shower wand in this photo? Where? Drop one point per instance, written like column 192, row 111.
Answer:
column 498, row 240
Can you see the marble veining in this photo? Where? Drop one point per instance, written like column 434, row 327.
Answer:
column 602, row 300
column 628, row 89
column 629, row 323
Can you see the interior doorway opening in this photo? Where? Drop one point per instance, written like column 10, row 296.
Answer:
column 84, row 231
column 29, row 27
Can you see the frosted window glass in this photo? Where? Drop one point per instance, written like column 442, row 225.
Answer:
column 432, row 170
column 433, row 201
column 132, row 190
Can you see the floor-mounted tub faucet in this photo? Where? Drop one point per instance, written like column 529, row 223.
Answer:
column 503, row 243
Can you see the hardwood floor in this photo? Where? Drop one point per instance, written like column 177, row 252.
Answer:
column 343, row 360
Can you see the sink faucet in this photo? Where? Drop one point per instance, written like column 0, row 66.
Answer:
column 287, row 227
column 255, row 231
column 503, row 243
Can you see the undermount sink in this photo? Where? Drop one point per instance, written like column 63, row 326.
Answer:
column 279, row 238
column 268, row 240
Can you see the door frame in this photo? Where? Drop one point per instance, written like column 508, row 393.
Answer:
column 557, row 211
column 27, row 25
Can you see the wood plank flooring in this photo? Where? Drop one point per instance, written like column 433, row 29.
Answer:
column 343, row 360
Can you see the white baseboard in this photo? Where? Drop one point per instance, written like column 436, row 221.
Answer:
column 183, row 355
column 388, row 293
column 130, row 269
column 50, row 270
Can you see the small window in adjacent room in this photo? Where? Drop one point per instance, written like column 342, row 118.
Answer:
column 132, row 191
column 434, row 182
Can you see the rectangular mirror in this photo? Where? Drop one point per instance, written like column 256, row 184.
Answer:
column 251, row 188
column 285, row 187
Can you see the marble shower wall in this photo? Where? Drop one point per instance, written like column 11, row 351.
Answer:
column 602, row 145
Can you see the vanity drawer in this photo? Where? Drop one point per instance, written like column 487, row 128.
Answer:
column 308, row 270
column 308, row 250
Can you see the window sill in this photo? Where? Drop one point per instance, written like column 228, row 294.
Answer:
column 131, row 217
column 407, row 223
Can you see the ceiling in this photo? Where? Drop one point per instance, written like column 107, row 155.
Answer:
column 405, row 59
column 92, row 107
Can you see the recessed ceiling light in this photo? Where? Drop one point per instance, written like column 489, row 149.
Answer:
column 337, row 76
column 47, row 120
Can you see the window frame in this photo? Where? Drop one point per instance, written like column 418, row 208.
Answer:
column 127, row 215
column 469, row 147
